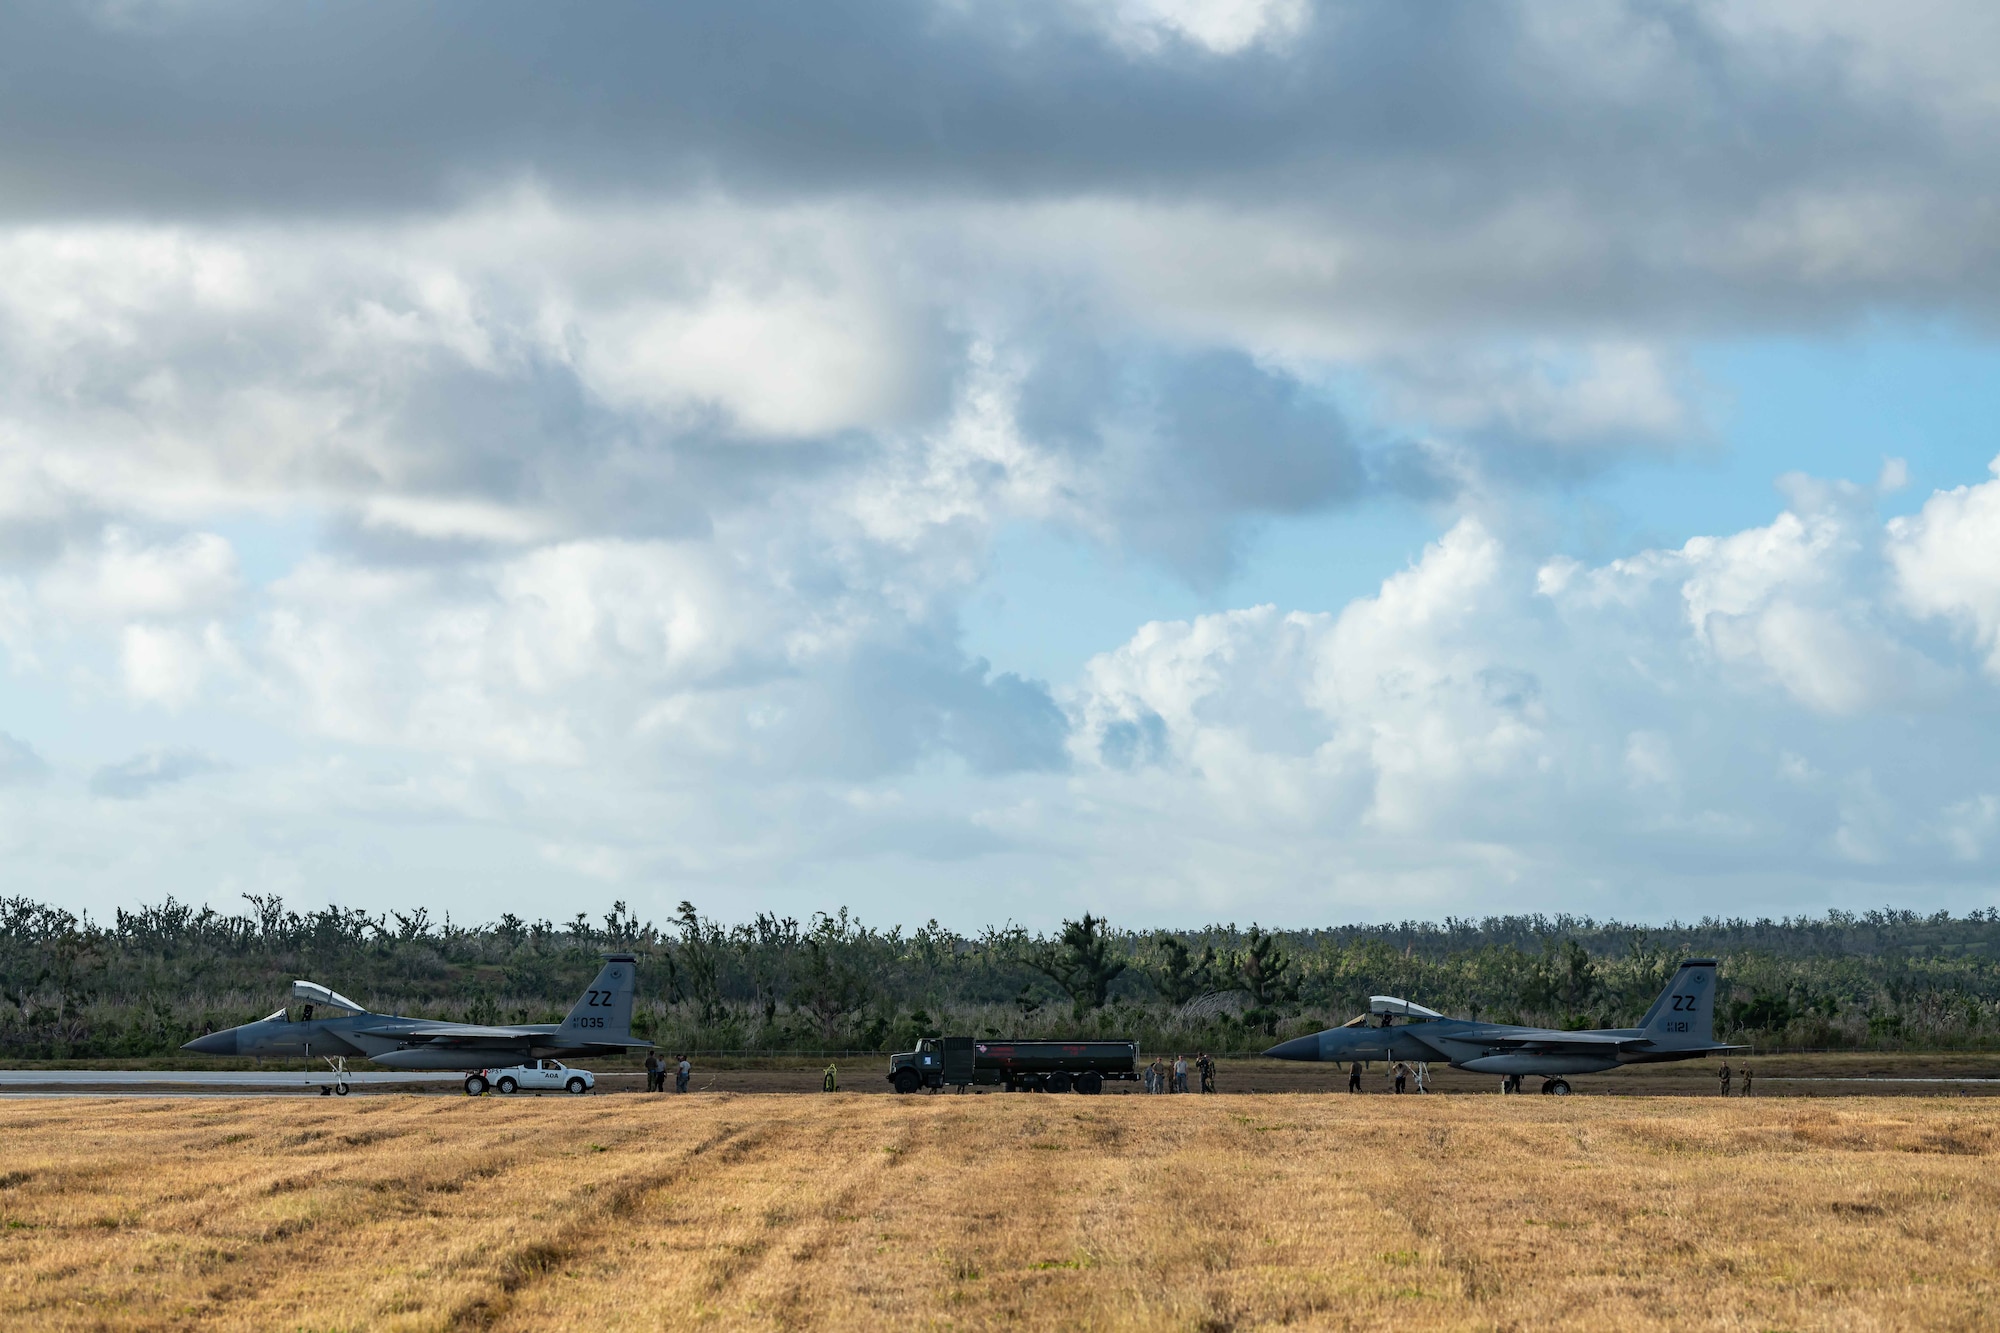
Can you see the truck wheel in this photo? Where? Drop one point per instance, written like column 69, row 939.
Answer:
column 475, row 1086
column 1090, row 1083
column 905, row 1080
column 508, row 1086
column 577, row 1087
column 1059, row 1081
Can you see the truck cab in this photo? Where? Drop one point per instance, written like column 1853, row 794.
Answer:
column 936, row 1062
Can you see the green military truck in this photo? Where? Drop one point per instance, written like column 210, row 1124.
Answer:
column 1017, row 1066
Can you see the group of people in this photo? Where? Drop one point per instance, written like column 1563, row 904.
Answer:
column 656, row 1072
column 1401, row 1072
column 1724, row 1077
column 1162, row 1077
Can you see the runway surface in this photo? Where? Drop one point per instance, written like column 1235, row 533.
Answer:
column 206, row 1078
column 1879, row 1074
column 1786, row 1078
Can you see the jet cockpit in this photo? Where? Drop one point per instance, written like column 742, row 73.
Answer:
column 318, row 998
column 1386, row 1009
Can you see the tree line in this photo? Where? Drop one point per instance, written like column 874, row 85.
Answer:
column 154, row 977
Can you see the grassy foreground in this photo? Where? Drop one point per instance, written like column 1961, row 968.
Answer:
column 845, row 1211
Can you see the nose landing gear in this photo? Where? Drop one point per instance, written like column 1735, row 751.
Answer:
column 338, row 1064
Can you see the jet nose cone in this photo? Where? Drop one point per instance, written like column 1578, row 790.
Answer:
column 215, row 1043
column 1298, row 1048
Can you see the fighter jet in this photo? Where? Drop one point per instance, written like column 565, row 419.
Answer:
column 1679, row 1026
column 332, row 1026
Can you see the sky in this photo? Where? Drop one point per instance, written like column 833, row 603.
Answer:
column 1185, row 460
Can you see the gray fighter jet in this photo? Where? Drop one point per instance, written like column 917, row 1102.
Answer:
column 330, row 1025
column 1679, row 1026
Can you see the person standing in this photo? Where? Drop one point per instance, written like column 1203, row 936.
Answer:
column 1354, row 1077
column 1746, row 1080
column 1180, row 1073
column 1206, row 1065
column 656, row 1080
column 1402, row 1072
column 1723, row 1074
column 683, row 1071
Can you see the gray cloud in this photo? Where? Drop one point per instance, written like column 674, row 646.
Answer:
column 1591, row 160
column 888, row 707
column 1173, row 240
column 1185, row 447
column 143, row 774
column 19, row 762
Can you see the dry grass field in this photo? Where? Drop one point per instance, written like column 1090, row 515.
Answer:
column 847, row 1211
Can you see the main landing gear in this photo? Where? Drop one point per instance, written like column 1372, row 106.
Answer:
column 1551, row 1087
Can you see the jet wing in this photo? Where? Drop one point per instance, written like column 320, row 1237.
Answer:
column 471, row 1032
column 1456, row 1041
column 1531, row 1040
column 467, row 1034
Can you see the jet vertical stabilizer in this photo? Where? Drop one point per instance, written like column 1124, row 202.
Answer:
column 1684, row 1015
column 604, row 1013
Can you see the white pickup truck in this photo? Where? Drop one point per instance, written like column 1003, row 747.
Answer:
column 540, row 1076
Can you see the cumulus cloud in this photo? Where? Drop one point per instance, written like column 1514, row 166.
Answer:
column 1945, row 566
column 1378, row 718
column 124, row 578
column 649, row 390
column 1481, row 706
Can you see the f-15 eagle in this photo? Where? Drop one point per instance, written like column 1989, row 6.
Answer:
column 329, row 1024
column 1679, row 1026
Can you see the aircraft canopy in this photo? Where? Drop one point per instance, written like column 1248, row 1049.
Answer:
column 1390, row 1004
column 314, row 993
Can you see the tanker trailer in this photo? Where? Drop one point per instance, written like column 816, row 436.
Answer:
column 1017, row 1066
